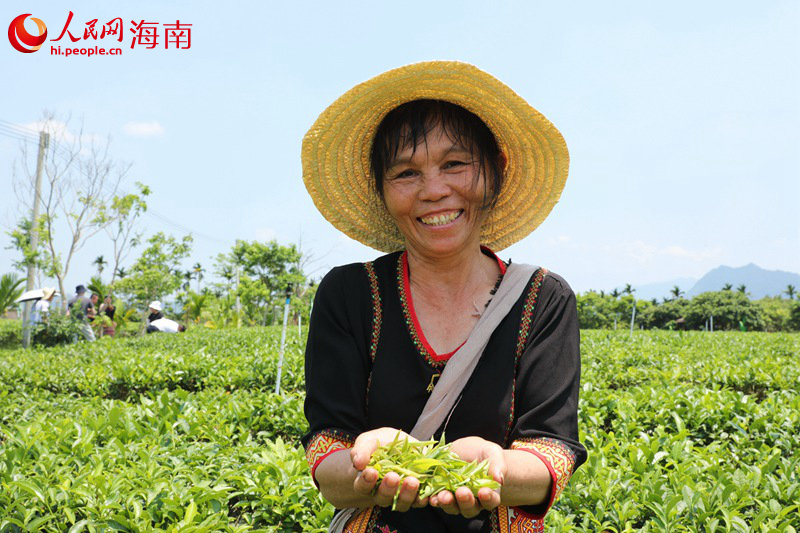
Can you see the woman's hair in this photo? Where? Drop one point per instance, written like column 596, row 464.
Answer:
column 408, row 126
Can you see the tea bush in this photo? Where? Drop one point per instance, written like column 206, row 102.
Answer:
column 686, row 431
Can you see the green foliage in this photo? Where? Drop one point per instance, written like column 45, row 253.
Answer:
column 156, row 273
column 10, row 290
column 265, row 270
column 21, row 241
column 686, row 431
column 732, row 310
column 58, row 328
column 10, row 333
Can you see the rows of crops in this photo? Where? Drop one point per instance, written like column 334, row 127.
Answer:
column 686, row 432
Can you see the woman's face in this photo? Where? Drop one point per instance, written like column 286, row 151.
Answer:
column 435, row 195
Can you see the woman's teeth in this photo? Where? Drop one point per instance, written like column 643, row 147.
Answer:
column 439, row 220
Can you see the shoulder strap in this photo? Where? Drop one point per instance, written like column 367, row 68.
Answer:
column 460, row 367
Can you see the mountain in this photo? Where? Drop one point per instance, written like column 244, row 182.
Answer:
column 662, row 289
column 758, row 281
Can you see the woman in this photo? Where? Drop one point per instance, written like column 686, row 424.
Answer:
column 439, row 163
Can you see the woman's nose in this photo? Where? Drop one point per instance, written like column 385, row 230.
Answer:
column 434, row 186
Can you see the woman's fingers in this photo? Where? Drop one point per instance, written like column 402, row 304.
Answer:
column 408, row 494
column 362, row 449
column 365, row 481
column 464, row 503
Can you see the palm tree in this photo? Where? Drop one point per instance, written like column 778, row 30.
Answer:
column 743, row 289
column 198, row 270
column 727, row 287
column 121, row 272
column 9, row 290
column 628, row 289
column 101, row 264
column 676, row 292
column 615, row 293
column 790, row 291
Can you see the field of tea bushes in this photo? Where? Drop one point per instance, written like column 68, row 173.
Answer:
column 686, row 432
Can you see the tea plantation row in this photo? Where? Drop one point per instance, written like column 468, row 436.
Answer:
column 686, row 432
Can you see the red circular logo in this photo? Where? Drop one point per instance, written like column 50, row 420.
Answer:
column 23, row 41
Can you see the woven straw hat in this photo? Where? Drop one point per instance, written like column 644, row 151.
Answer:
column 336, row 152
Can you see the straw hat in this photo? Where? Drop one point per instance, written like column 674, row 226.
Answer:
column 155, row 304
column 336, row 152
column 48, row 292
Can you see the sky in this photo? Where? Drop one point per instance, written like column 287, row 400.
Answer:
column 682, row 120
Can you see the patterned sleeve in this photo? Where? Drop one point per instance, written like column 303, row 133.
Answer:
column 337, row 364
column 546, row 421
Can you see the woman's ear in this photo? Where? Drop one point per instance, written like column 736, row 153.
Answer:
column 502, row 161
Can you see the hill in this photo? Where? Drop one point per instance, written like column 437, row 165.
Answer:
column 758, row 281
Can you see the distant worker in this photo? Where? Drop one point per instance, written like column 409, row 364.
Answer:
column 155, row 312
column 42, row 306
column 108, row 309
column 165, row 325
column 78, row 307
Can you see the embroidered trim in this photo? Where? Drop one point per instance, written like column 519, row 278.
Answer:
column 557, row 457
column 377, row 309
column 437, row 361
column 522, row 338
column 412, row 324
column 324, row 443
column 360, row 522
column 512, row 520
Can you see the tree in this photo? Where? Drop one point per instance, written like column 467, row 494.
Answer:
column 615, row 293
column 790, row 291
column 10, row 290
column 265, row 271
column 100, row 263
column 742, row 289
column 628, row 289
column 676, row 292
column 727, row 287
column 125, row 210
column 731, row 310
column 79, row 183
column 156, row 274
column 197, row 273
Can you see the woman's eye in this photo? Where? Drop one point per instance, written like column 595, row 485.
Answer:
column 454, row 164
column 407, row 173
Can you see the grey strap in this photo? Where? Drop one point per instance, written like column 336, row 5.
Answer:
column 459, row 368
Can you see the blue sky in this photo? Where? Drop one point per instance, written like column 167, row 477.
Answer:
column 682, row 119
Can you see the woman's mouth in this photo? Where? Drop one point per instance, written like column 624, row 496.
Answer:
column 441, row 219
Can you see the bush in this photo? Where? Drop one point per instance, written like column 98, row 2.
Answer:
column 10, row 333
column 58, row 329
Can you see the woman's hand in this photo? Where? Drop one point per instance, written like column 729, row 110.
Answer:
column 407, row 490
column 463, row 502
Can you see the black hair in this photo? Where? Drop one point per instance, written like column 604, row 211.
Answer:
column 409, row 124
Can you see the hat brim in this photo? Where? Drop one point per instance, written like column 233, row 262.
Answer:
column 336, row 152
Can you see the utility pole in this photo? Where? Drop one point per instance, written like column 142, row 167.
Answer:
column 44, row 140
column 238, row 301
column 283, row 337
column 633, row 315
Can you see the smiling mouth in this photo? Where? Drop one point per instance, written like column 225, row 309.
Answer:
column 441, row 220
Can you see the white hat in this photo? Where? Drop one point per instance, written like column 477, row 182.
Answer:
column 155, row 304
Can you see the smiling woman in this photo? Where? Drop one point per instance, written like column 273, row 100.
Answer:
column 439, row 163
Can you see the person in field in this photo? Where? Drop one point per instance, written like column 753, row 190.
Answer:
column 439, row 165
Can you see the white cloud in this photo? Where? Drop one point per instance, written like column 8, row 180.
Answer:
column 265, row 234
column 144, row 129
